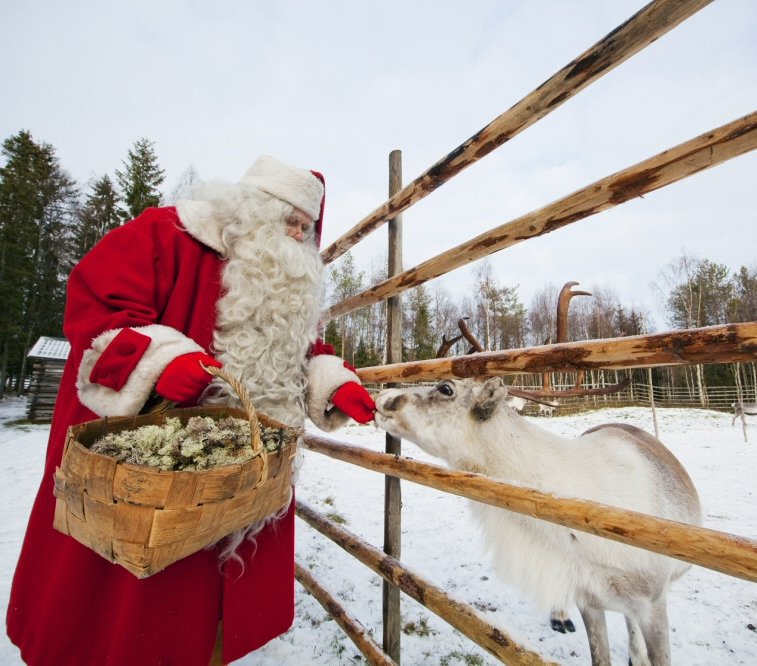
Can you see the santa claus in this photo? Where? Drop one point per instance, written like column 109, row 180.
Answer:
column 231, row 277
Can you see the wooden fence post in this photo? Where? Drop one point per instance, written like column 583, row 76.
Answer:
column 392, row 493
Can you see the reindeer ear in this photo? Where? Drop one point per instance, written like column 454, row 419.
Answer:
column 491, row 394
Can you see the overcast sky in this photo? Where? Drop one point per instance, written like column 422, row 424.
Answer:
column 337, row 85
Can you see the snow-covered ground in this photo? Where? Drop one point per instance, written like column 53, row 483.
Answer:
column 712, row 616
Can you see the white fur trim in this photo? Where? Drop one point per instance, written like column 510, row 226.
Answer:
column 197, row 218
column 166, row 344
column 297, row 187
column 326, row 374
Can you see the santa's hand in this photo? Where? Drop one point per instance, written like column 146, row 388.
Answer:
column 355, row 401
column 184, row 379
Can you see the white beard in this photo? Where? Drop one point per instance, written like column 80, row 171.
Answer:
column 268, row 315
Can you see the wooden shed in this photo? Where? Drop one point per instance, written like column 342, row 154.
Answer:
column 48, row 357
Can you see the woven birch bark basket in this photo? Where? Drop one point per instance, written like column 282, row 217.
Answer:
column 145, row 518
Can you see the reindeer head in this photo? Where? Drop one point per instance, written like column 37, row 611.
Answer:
column 443, row 418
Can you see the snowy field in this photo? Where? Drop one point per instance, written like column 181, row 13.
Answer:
column 712, row 616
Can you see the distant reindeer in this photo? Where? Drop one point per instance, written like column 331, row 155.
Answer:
column 547, row 409
column 742, row 409
column 466, row 423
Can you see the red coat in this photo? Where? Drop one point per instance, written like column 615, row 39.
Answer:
column 70, row 606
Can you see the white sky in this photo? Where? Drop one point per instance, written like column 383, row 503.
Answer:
column 337, row 85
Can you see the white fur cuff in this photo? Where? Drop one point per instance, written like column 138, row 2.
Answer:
column 326, row 374
column 165, row 345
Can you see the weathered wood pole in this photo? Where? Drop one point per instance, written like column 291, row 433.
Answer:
column 702, row 152
column 392, row 492
column 352, row 627
column 466, row 619
column 712, row 344
column 647, row 25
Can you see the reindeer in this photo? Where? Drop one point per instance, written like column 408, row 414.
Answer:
column 547, row 409
column 743, row 409
column 466, row 423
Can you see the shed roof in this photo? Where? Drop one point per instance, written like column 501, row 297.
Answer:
column 52, row 348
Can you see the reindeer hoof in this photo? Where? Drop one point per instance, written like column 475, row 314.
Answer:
column 562, row 626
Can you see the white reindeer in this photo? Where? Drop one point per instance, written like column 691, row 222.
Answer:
column 742, row 409
column 547, row 408
column 465, row 423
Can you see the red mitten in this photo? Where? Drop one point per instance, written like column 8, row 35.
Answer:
column 184, row 379
column 355, row 401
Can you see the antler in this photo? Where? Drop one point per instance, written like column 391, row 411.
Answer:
column 563, row 303
column 536, row 396
column 541, row 397
column 446, row 345
column 476, row 346
column 468, row 335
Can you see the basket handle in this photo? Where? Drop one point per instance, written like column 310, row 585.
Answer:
column 256, row 441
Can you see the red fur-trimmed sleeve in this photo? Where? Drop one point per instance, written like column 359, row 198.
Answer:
column 117, row 295
column 136, row 375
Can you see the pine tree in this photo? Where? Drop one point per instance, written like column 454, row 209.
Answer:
column 331, row 335
column 421, row 343
column 37, row 204
column 743, row 306
column 97, row 216
column 140, row 179
column 366, row 356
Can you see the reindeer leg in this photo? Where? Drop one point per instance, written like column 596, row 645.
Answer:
column 654, row 627
column 596, row 631
column 637, row 649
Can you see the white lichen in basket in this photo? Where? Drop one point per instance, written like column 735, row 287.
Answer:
column 202, row 443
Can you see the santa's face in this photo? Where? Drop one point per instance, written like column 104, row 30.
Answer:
column 299, row 225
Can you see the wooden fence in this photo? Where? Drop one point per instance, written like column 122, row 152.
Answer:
column 735, row 556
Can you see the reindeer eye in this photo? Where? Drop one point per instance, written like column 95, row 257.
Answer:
column 445, row 389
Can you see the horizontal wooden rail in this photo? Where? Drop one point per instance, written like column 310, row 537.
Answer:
column 461, row 616
column 726, row 553
column 357, row 633
column 712, row 344
column 643, row 28
column 686, row 159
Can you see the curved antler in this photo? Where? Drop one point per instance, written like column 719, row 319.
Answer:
column 468, row 335
column 446, row 345
column 540, row 396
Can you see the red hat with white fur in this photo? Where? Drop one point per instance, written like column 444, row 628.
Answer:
column 300, row 188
